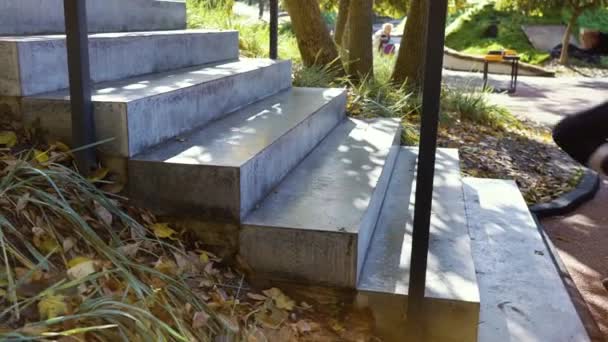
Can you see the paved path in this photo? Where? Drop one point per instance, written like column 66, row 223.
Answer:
column 545, row 100
column 582, row 236
column 582, row 241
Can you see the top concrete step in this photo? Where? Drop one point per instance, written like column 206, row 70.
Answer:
column 38, row 64
column 316, row 226
column 224, row 169
column 451, row 283
column 523, row 297
column 26, row 17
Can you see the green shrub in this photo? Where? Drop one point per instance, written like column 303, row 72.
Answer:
column 473, row 106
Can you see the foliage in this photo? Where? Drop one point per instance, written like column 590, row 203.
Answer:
column 254, row 34
column 466, row 34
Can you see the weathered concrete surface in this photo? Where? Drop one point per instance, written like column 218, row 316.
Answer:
column 38, row 64
column 26, row 17
column 452, row 292
column 316, row 226
column 522, row 295
column 225, row 168
column 144, row 111
column 546, row 37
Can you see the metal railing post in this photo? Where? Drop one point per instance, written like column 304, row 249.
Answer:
column 435, row 38
column 274, row 28
column 77, row 42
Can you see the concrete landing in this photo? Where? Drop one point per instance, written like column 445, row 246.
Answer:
column 38, row 64
column 144, row 111
column 27, row 17
column 225, row 168
column 316, row 225
column 452, row 292
column 522, row 295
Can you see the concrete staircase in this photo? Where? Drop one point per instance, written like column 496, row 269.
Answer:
column 200, row 133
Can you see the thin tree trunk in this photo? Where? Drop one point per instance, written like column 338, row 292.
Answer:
column 360, row 51
column 564, row 56
column 341, row 21
column 410, row 60
column 314, row 41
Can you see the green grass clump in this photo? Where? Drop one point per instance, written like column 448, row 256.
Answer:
column 473, row 106
column 466, row 34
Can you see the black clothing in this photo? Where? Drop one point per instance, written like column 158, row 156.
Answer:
column 581, row 134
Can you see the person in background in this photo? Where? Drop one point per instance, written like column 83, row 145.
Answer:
column 382, row 39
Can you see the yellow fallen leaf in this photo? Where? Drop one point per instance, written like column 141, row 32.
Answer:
column 204, row 257
column 166, row 266
column 52, row 306
column 61, row 147
column 163, row 231
column 44, row 241
column 8, row 138
column 98, row 175
column 41, row 156
column 280, row 299
column 80, row 267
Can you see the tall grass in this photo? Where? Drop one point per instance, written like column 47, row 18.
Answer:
column 124, row 300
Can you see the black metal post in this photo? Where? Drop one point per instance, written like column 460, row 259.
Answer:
column 274, row 29
column 83, row 126
column 431, row 95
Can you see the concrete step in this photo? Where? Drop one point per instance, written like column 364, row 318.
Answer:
column 315, row 227
column 224, row 169
column 144, row 111
column 523, row 297
column 38, row 64
column 27, row 17
column 452, row 292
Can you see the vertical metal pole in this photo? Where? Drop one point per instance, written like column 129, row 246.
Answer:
column 83, row 126
column 274, row 28
column 437, row 11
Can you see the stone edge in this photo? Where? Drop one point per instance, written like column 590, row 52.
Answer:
column 584, row 191
column 577, row 299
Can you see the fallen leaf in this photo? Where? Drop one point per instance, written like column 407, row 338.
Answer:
column 256, row 296
column 229, row 323
column 8, row 138
column 61, row 147
column 113, row 188
column 280, row 299
column 130, row 250
column 44, row 241
column 162, row 230
column 52, row 306
column 204, row 257
column 98, row 175
column 303, row 327
column 68, row 244
column 103, row 214
column 22, row 202
column 41, row 156
column 80, row 267
column 166, row 266
column 200, row 319
column 271, row 317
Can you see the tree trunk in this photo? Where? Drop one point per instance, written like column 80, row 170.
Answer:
column 410, row 61
column 341, row 21
column 563, row 57
column 360, row 51
column 314, row 41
